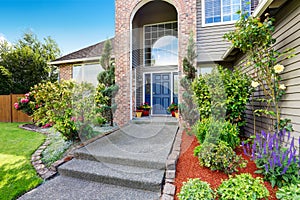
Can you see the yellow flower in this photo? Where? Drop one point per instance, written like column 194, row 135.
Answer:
column 278, row 68
column 254, row 84
column 259, row 24
column 282, row 87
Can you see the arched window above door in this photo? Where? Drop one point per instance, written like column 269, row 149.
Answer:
column 165, row 51
column 161, row 44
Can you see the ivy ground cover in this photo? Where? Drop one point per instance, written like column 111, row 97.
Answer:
column 16, row 172
column 188, row 167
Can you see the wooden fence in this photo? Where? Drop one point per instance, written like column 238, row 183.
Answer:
column 7, row 111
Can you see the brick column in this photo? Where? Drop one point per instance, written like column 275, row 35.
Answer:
column 65, row 72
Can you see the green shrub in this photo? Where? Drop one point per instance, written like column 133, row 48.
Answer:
column 6, row 81
column 55, row 101
column 221, row 130
column 69, row 106
column 242, row 187
column 195, row 189
column 219, row 157
column 289, row 192
column 56, row 149
column 223, row 94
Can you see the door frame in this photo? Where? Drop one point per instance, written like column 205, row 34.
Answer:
column 151, row 90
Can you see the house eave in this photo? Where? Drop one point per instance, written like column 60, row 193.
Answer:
column 74, row 60
column 259, row 10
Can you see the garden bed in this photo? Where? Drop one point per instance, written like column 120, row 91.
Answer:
column 188, row 167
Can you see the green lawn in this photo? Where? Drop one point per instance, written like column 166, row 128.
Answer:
column 16, row 172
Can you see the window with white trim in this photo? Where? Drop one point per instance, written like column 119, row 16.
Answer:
column 223, row 11
column 87, row 73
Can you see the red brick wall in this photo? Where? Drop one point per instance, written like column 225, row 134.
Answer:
column 65, row 71
column 124, row 11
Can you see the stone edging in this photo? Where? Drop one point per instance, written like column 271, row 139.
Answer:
column 169, row 188
column 48, row 173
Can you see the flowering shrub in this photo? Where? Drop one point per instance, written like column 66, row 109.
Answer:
column 254, row 37
column 26, row 104
column 279, row 165
column 56, row 106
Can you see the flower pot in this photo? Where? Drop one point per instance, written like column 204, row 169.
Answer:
column 173, row 113
column 139, row 114
column 145, row 113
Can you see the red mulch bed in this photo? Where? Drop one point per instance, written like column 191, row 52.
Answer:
column 188, row 167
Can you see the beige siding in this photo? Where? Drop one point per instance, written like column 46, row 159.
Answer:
column 287, row 34
column 210, row 43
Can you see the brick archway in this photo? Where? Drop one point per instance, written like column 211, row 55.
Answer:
column 125, row 11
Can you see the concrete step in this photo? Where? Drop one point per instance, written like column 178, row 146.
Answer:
column 156, row 120
column 144, row 146
column 108, row 173
column 137, row 161
column 68, row 188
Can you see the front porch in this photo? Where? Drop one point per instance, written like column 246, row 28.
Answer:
column 154, row 58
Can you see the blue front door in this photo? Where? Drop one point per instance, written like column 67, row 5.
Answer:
column 161, row 93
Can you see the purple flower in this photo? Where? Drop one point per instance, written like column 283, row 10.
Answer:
column 265, row 148
column 266, row 168
column 290, row 159
column 247, row 146
column 277, row 146
column 270, row 144
column 292, row 144
column 278, row 161
column 244, row 148
column 284, row 155
column 284, row 170
column 259, row 156
column 271, row 162
column 263, row 134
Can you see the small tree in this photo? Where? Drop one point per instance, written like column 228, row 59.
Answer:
column 107, row 78
column 188, row 109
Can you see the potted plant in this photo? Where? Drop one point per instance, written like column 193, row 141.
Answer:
column 173, row 108
column 145, row 107
column 176, row 113
column 139, row 113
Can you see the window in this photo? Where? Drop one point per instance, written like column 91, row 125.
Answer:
column 222, row 11
column 161, row 44
column 86, row 73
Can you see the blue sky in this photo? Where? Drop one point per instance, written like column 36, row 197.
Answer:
column 73, row 24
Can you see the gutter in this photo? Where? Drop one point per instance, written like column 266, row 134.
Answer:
column 73, row 60
column 259, row 10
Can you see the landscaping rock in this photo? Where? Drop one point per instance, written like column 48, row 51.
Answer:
column 169, row 189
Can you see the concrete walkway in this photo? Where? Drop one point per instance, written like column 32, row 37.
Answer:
column 127, row 164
